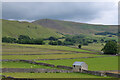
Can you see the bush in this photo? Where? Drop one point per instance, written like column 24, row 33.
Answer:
column 79, row 46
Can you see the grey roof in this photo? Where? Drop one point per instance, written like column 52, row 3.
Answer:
column 78, row 63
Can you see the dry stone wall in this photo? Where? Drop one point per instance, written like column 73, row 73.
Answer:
column 36, row 70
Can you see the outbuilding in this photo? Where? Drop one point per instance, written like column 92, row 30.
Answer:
column 79, row 66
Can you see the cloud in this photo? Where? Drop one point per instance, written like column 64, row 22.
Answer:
column 91, row 12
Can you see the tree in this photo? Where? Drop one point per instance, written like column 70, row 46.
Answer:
column 79, row 46
column 38, row 41
column 8, row 40
column 53, row 43
column 52, row 38
column 59, row 42
column 111, row 47
column 68, row 43
column 23, row 37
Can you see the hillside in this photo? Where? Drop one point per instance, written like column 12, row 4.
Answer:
column 69, row 27
column 16, row 28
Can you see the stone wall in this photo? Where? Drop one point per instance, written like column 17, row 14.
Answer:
column 36, row 70
column 32, row 62
column 93, row 72
column 112, row 75
column 98, row 73
column 64, row 67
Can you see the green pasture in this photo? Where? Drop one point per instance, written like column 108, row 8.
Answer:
column 11, row 64
column 8, row 49
column 94, row 64
column 94, row 46
column 52, row 56
column 51, row 75
column 63, row 48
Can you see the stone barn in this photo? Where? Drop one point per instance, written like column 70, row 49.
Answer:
column 79, row 66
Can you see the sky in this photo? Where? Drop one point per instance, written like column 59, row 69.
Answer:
column 84, row 12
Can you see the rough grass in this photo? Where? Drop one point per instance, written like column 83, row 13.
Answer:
column 96, row 64
column 15, row 28
column 51, row 75
column 75, row 28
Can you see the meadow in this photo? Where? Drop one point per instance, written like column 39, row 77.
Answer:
column 45, row 51
column 11, row 64
column 50, row 47
column 51, row 52
column 94, row 46
column 94, row 64
column 52, row 75
column 52, row 56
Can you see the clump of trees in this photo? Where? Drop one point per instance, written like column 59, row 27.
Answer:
column 111, row 47
column 52, row 38
column 54, row 41
column 9, row 40
column 23, row 39
column 106, row 33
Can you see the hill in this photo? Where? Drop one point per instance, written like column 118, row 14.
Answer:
column 16, row 28
column 69, row 27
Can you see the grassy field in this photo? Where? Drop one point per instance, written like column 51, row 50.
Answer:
column 94, row 46
column 49, row 47
column 11, row 64
column 52, row 56
column 95, row 64
column 52, row 75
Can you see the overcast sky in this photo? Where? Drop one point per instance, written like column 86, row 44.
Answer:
column 85, row 12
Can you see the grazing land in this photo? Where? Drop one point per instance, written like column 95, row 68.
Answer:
column 16, row 28
column 54, row 56
column 51, row 52
column 10, row 64
column 94, row 46
column 52, row 75
column 47, row 47
column 94, row 64
column 57, row 42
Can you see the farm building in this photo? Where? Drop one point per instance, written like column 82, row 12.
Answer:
column 79, row 66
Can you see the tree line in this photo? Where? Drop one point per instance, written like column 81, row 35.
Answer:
column 23, row 39
column 111, row 47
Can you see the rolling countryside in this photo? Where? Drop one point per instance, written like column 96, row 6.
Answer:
column 61, row 44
